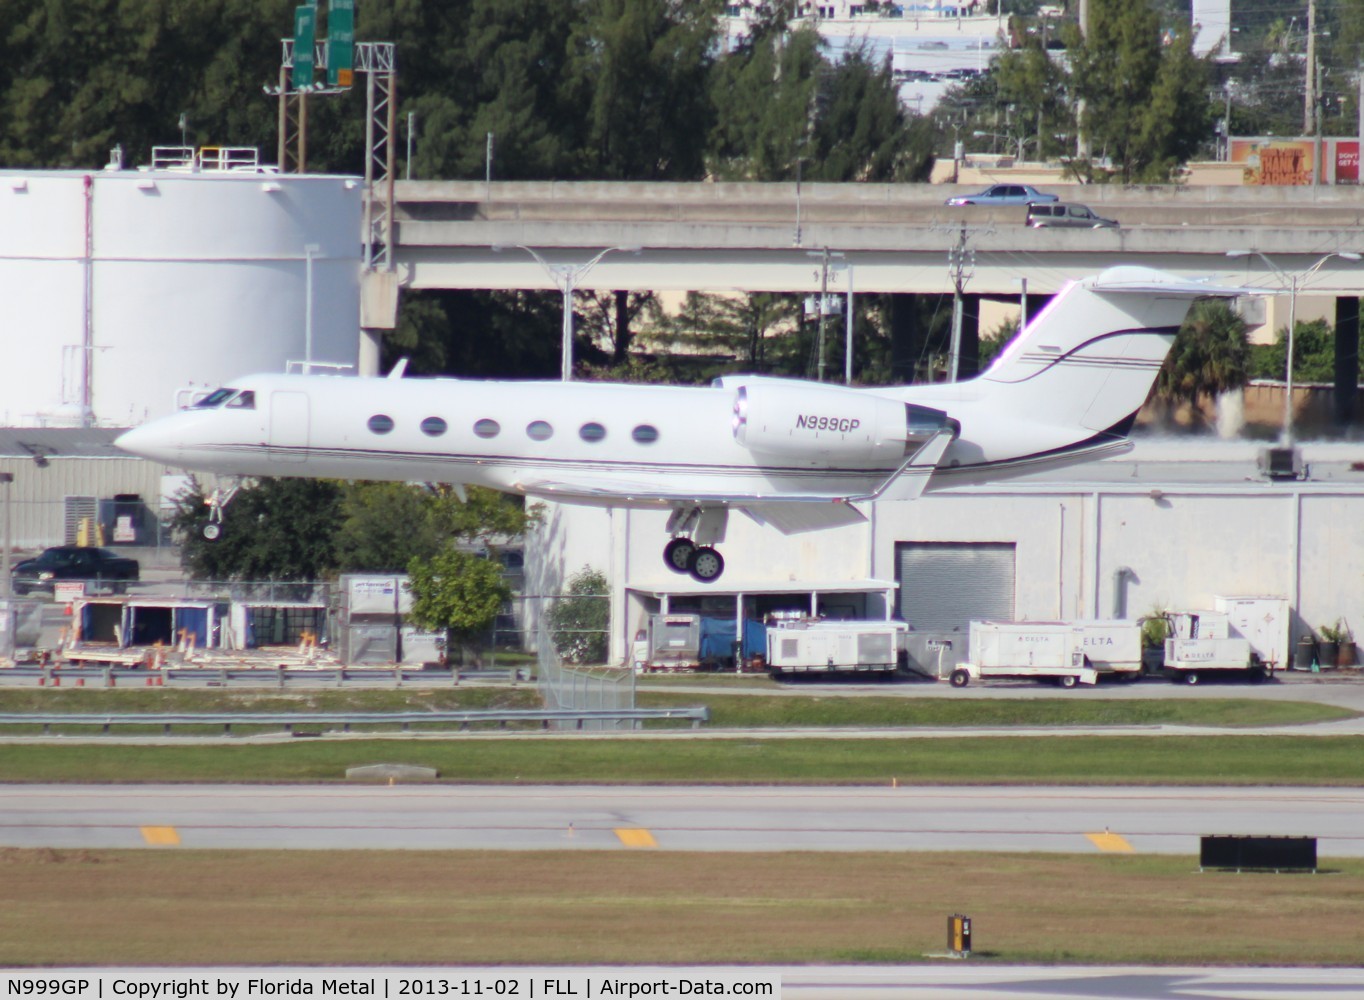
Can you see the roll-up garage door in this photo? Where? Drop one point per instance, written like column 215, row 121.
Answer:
column 944, row 586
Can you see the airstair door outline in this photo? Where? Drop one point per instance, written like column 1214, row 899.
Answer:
column 289, row 426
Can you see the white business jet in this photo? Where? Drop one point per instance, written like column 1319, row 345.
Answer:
column 796, row 455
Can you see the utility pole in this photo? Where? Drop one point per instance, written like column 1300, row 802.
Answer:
column 961, row 265
column 1310, row 97
column 823, row 311
column 1317, row 145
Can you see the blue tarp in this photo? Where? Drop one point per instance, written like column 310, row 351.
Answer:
column 717, row 639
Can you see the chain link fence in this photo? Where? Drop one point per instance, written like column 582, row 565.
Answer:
column 572, row 643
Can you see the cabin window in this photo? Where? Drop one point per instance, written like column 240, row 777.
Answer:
column 381, row 423
column 539, row 430
column 245, row 400
column 592, row 432
column 434, row 427
column 486, row 428
column 645, row 434
column 215, row 398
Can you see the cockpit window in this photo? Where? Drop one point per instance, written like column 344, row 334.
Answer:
column 215, row 398
column 244, row 400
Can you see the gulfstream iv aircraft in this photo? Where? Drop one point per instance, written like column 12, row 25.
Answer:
column 796, row 455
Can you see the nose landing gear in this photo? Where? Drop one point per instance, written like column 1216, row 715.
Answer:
column 684, row 555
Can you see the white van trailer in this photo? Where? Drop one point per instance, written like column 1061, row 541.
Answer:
column 1203, row 641
column 807, row 646
column 1068, row 653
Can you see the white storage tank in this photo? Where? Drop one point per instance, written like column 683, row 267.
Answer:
column 120, row 287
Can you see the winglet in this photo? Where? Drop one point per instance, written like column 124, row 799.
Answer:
column 398, row 370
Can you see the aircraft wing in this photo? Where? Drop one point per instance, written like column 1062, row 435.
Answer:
column 788, row 513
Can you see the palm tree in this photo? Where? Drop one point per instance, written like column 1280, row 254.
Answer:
column 1210, row 355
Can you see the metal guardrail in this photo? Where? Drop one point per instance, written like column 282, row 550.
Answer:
column 288, row 720
column 259, row 677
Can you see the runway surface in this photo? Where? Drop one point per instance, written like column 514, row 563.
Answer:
column 1056, row 819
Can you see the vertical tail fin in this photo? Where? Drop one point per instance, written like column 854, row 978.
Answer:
column 1090, row 357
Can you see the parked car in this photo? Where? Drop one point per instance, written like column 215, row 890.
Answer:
column 74, row 562
column 1004, row 194
column 1067, row 216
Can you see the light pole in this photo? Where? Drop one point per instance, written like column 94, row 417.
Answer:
column 7, row 481
column 1292, row 280
column 566, row 277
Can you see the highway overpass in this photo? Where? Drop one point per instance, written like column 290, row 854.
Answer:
column 896, row 237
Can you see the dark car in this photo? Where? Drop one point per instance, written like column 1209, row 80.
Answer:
column 74, row 562
column 1068, row 216
column 1003, row 194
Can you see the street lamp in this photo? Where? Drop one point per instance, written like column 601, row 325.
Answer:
column 566, row 277
column 1292, row 280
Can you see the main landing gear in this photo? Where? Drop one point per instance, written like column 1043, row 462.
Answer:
column 682, row 555
column 686, row 553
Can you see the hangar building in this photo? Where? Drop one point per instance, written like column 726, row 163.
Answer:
column 1172, row 525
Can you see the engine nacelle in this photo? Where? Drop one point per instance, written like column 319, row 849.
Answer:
column 810, row 421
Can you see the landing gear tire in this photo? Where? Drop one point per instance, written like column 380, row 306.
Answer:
column 677, row 554
column 212, row 531
column 960, row 678
column 705, row 565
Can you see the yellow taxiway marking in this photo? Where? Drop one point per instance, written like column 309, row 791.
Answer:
column 635, row 837
column 1109, row 841
column 161, row 836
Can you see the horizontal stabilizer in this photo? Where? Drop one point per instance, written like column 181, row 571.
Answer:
column 1147, row 281
column 793, row 518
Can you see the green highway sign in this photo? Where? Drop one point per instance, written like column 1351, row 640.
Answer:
column 340, row 42
column 305, row 35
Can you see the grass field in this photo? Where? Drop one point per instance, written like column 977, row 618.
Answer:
column 755, row 709
column 376, row 907
column 1117, row 760
column 815, row 709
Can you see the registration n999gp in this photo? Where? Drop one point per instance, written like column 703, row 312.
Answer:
column 47, row 987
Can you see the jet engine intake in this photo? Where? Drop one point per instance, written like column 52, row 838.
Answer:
column 827, row 422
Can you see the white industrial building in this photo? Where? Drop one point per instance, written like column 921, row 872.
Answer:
column 119, row 288
column 125, row 292
column 1175, row 524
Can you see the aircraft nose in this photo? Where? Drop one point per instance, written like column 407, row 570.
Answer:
column 149, row 441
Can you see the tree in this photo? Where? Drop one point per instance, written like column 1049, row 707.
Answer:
column 277, row 529
column 1037, row 88
column 764, row 92
column 309, row 529
column 384, row 526
column 639, row 69
column 457, row 592
column 579, row 622
column 1210, row 355
column 1145, row 102
column 1314, row 358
